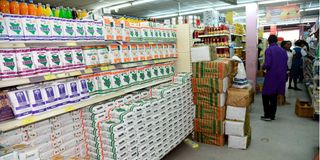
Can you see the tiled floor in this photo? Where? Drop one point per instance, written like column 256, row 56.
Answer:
column 287, row 138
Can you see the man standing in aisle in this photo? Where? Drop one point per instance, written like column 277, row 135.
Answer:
column 274, row 84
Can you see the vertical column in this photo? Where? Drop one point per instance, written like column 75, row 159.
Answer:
column 184, row 39
column 251, row 42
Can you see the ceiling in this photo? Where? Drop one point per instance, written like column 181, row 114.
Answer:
column 165, row 7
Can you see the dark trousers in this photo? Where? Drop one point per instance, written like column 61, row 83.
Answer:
column 270, row 105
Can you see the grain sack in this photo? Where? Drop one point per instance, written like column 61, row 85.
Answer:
column 5, row 107
column 8, row 65
column 20, row 103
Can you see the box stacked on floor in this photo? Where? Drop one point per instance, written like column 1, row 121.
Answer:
column 209, row 83
column 237, row 125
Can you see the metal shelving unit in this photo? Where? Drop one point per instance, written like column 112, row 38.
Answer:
column 15, row 123
column 49, row 77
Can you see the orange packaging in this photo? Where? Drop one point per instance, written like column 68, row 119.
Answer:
column 108, row 23
column 118, row 30
column 126, row 32
column 23, row 8
column 40, row 10
column 126, row 53
column 160, row 51
column 116, row 53
column 32, row 9
column 14, row 7
column 142, row 52
column 207, row 138
column 4, row 6
column 154, row 51
column 148, row 51
column 134, row 52
column 166, row 51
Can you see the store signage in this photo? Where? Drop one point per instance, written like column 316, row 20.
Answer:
column 282, row 13
column 273, row 30
column 230, row 1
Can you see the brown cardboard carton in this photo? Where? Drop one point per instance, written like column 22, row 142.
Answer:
column 210, row 112
column 209, row 99
column 209, row 126
column 207, row 138
column 240, row 97
column 219, row 68
column 210, row 85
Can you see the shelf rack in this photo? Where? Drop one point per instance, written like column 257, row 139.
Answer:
column 15, row 123
column 49, row 77
column 67, row 43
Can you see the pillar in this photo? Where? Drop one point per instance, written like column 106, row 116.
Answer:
column 251, row 42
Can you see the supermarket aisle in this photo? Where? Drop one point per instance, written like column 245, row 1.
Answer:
column 287, row 138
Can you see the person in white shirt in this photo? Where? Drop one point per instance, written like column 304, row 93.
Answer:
column 286, row 45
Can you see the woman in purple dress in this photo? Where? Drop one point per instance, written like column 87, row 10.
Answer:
column 275, row 64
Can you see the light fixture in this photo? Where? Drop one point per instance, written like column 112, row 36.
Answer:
column 312, row 9
column 272, row 1
column 120, row 6
column 141, row 2
column 165, row 16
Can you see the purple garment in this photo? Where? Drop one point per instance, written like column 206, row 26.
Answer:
column 276, row 65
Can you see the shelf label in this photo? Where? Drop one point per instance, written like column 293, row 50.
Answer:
column 61, row 75
column 145, row 63
column 104, row 68
column 69, row 108
column 112, row 67
column 50, row 77
column 75, row 73
column 88, row 71
column 28, row 120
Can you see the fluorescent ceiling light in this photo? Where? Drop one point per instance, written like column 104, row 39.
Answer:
column 141, row 2
column 165, row 16
column 261, row 14
column 109, row 5
column 120, row 6
column 272, row 1
column 312, row 9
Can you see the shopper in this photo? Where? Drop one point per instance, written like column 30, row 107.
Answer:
column 260, row 47
column 286, row 45
column 298, row 52
column 275, row 79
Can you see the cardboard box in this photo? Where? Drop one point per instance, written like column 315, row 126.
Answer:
column 304, row 109
column 209, row 126
column 207, row 138
column 210, row 85
column 209, row 99
column 239, row 142
column 207, row 112
column 240, row 97
column 199, row 54
column 219, row 68
column 236, row 128
column 236, row 113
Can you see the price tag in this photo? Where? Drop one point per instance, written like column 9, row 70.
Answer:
column 61, row 75
column 75, row 73
column 50, row 77
column 28, row 120
column 112, row 67
column 145, row 63
column 104, row 68
column 69, row 108
column 151, row 42
column 156, row 61
column 88, row 71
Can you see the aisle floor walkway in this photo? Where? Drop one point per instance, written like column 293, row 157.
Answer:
column 287, row 138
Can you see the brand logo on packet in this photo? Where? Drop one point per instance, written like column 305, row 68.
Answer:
column 80, row 30
column 21, row 98
column 27, row 62
column 117, row 80
column 37, row 95
column 99, row 31
column 8, row 62
column 62, row 90
column 55, row 59
column 45, row 29
column 80, row 57
column 42, row 59
column 68, row 58
column 31, row 28
column 15, row 27
column 90, row 86
column 91, row 30
column 106, row 82
column 134, row 76
column 1, row 28
column 57, row 29
column 126, row 78
column 69, row 30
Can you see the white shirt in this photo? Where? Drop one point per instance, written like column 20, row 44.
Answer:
column 290, row 55
column 303, row 52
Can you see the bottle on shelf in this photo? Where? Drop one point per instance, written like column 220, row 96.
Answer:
column 84, row 13
column 48, row 11
column 23, row 6
column 32, row 8
column 56, row 12
column 62, row 12
column 4, row 6
column 40, row 10
column 74, row 13
column 14, row 7
column 68, row 13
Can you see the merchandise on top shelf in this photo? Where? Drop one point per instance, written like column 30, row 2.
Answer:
column 32, row 8
column 14, row 7
column 40, row 10
column 48, row 11
column 23, row 8
column 4, row 6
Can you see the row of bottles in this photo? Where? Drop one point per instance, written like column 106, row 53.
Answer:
column 23, row 8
